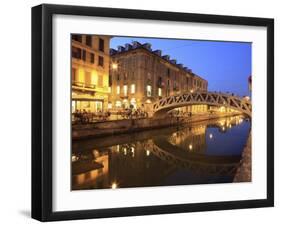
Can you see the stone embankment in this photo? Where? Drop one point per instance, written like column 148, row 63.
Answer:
column 107, row 128
column 244, row 172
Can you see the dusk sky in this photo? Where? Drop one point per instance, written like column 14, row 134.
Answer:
column 225, row 65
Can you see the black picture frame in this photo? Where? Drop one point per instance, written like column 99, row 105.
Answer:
column 42, row 111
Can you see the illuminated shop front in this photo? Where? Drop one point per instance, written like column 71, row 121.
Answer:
column 87, row 105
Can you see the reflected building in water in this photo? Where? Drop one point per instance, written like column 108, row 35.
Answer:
column 171, row 156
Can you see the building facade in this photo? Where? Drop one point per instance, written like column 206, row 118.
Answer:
column 90, row 72
column 140, row 76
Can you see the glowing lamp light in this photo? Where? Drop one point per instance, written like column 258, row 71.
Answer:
column 190, row 147
column 211, row 136
column 147, row 152
column 114, row 66
column 114, row 185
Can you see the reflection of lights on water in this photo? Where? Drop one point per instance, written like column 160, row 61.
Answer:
column 114, row 185
column 223, row 129
column 190, row 147
column 211, row 136
column 147, row 152
column 230, row 126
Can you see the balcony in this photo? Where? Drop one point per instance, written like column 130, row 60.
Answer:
column 83, row 85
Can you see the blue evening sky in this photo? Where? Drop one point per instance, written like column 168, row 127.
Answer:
column 225, row 65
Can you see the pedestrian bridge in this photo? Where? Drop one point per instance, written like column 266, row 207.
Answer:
column 240, row 104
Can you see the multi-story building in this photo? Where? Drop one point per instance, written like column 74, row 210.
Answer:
column 140, row 76
column 90, row 72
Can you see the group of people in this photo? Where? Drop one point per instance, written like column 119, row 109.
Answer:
column 83, row 116
column 130, row 113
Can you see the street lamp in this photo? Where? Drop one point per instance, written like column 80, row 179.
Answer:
column 114, row 66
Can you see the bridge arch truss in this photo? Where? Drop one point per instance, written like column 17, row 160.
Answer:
column 240, row 104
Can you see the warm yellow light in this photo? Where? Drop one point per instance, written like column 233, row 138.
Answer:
column 148, row 90
column 223, row 128
column 191, row 90
column 114, row 185
column 159, row 92
column 74, row 158
column 125, row 89
column 133, row 88
column 147, row 152
column 118, row 89
column 190, row 147
column 114, row 66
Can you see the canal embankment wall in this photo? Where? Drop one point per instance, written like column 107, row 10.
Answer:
column 107, row 128
column 244, row 171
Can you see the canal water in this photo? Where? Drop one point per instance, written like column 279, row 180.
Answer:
column 201, row 153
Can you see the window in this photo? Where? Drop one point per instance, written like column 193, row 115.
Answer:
column 74, row 75
column 133, row 103
column 88, row 78
column 125, row 89
column 92, row 58
column 125, row 76
column 133, row 88
column 84, row 55
column 168, row 72
column 118, row 77
column 159, row 92
column 160, row 81
column 101, row 45
column 77, row 38
column 118, row 90
column 148, row 90
column 89, row 40
column 118, row 104
column 100, row 80
column 76, row 52
column 100, row 61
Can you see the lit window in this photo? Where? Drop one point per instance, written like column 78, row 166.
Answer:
column 109, row 105
column 133, row 88
column 118, row 89
column 148, row 90
column 125, row 88
column 118, row 103
column 133, row 103
column 109, row 89
column 159, row 92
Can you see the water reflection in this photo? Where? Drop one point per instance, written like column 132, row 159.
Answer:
column 205, row 152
